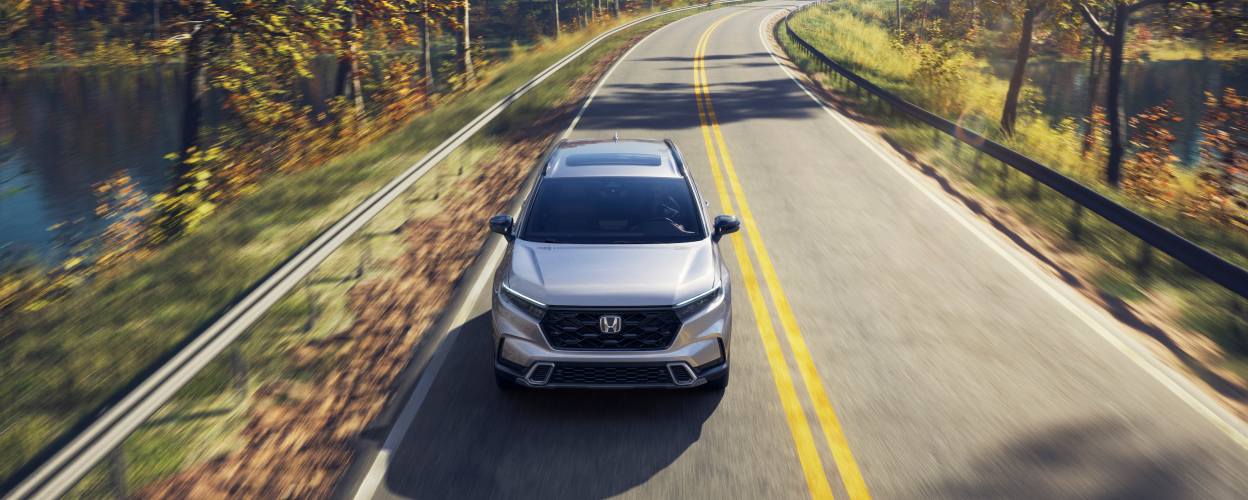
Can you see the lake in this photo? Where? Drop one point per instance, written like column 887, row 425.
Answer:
column 1146, row 84
column 65, row 129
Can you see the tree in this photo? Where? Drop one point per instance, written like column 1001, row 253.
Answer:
column 1116, row 41
column 426, row 50
column 347, row 83
column 1056, row 19
column 465, row 45
column 273, row 30
column 1009, row 113
column 1096, row 66
column 898, row 15
column 387, row 16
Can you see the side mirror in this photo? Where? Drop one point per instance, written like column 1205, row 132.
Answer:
column 502, row 224
column 725, row 224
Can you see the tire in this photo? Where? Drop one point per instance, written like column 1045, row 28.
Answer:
column 718, row 384
column 505, row 382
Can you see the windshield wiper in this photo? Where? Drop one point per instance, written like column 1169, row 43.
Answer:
column 553, row 241
column 630, row 242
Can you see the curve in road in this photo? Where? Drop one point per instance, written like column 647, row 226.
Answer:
column 946, row 371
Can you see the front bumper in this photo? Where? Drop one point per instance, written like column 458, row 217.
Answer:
column 533, row 378
column 699, row 353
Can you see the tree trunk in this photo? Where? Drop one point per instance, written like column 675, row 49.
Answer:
column 194, row 91
column 1010, row 113
column 898, row 15
column 465, row 48
column 313, row 98
column 1096, row 66
column 428, row 55
column 1113, row 109
column 923, row 23
column 556, row 2
column 347, row 83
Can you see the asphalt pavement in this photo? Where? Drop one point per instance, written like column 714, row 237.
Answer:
column 920, row 355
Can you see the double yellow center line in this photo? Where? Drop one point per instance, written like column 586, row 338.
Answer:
column 816, row 480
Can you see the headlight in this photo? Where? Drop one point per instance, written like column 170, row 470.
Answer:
column 692, row 306
column 533, row 307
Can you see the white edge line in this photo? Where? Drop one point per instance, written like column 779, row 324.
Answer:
column 1104, row 332
column 381, row 463
column 377, row 472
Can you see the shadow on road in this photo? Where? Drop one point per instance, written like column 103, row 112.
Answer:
column 672, row 106
column 1098, row 460
column 471, row 440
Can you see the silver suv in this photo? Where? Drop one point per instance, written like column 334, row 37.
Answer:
column 612, row 276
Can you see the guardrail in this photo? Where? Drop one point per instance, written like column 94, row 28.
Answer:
column 61, row 470
column 1222, row 272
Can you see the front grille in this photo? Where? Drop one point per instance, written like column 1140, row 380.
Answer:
column 641, row 330
column 611, row 375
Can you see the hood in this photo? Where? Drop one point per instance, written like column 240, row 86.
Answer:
column 611, row 275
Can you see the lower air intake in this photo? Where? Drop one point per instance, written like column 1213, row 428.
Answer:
column 681, row 373
column 540, row 373
column 611, row 375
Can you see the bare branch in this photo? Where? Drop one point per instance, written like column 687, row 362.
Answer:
column 1096, row 25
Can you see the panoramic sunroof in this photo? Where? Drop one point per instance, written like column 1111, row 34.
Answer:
column 590, row 160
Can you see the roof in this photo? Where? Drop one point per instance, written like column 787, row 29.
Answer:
column 613, row 158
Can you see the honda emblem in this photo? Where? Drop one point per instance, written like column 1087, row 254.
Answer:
column 610, row 323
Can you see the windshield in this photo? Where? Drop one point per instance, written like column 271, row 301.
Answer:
column 609, row 210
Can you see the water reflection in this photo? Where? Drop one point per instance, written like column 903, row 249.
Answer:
column 69, row 128
column 64, row 129
column 1065, row 89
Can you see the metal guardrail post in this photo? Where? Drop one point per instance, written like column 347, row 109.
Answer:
column 118, row 473
column 1201, row 260
column 1076, row 222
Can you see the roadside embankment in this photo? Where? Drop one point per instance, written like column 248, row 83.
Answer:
column 1189, row 322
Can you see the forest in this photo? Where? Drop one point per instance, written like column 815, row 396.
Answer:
column 248, row 64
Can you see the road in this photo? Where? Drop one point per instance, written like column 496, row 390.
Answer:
column 887, row 344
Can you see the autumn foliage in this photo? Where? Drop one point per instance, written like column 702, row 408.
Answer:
column 1223, row 179
column 1149, row 173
